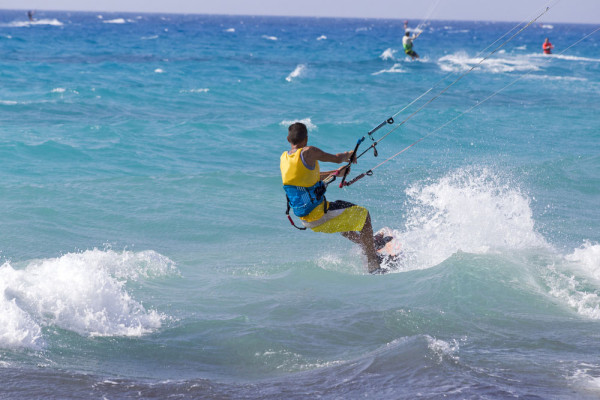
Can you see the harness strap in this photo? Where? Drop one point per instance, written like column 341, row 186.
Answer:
column 287, row 212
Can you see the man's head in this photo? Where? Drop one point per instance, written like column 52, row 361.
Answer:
column 407, row 33
column 297, row 133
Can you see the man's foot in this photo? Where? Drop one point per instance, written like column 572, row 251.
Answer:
column 381, row 240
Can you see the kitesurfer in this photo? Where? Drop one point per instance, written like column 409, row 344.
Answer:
column 547, row 46
column 407, row 42
column 305, row 191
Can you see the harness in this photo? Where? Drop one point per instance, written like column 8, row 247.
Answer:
column 407, row 43
column 304, row 199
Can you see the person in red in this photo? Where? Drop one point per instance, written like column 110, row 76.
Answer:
column 547, row 46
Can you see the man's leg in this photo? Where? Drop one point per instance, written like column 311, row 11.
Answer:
column 364, row 239
column 354, row 237
column 368, row 245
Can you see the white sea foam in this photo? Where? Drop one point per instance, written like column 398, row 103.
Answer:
column 296, row 72
column 82, row 292
column 547, row 26
column 472, row 210
column 573, row 291
column 17, row 328
column 159, row 71
column 306, row 121
column 13, row 103
column 557, row 78
column 576, row 280
column 423, row 60
column 150, row 37
column 115, row 21
column 451, row 30
column 231, row 30
column 201, row 90
column 587, row 376
column 352, row 261
column 461, row 61
column 587, row 257
column 290, row 361
column 442, row 349
column 395, row 69
column 24, row 24
column 269, row 37
column 59, row 90
column 388, row 54
column 51, row 22
column 564, row 57
column 322, row 37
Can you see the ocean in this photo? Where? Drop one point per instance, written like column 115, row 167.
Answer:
column 145, row 252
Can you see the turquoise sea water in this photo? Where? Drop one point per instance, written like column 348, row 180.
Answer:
column 146, row 254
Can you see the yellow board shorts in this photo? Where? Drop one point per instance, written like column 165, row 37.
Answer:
column 341, row 216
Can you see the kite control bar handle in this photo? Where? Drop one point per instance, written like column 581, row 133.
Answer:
column 368, row 173
column 390, row 121
column 350, row 162
column 343, row 183
column 331, row 177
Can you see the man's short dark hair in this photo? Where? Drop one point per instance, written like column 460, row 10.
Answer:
column 407, row 33
column 297, row 133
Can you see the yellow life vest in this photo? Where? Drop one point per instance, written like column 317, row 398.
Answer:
column 294, row 172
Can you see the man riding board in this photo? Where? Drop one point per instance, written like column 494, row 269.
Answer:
column 407, row 42
column 305, row 191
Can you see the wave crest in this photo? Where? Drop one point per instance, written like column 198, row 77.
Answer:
column 41, row 22
column 82, row 292
column 472, row 210
column 296, row 72
column 461, row 61
column 306, row 121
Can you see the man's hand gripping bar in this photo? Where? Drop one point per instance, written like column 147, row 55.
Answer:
column 352, row 157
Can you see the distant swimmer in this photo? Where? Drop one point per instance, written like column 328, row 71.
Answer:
column 30, row 15
column 407, row 42
column 547, row 46
column 303, row 183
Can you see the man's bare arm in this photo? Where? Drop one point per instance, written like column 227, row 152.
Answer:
column 313, row 154
column 337, row 172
